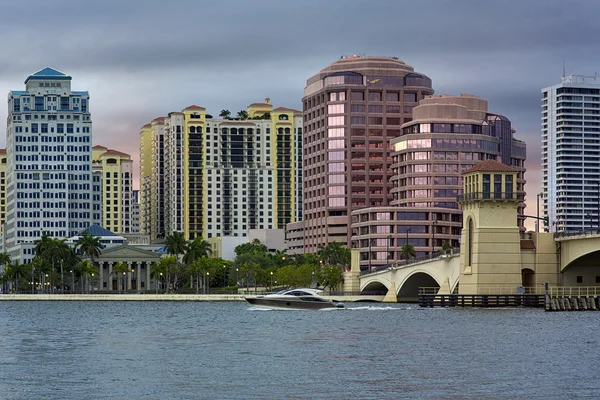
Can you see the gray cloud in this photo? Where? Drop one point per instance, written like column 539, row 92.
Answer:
column 142, row 59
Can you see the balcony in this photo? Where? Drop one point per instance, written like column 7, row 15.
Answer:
column 479, row 196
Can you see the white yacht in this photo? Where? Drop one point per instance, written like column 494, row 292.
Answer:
column 297, row 299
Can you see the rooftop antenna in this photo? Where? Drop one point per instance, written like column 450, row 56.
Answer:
column 564, row 69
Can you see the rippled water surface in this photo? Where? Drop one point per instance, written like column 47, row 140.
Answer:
column 229, row 350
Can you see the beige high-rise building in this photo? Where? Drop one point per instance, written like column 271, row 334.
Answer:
column 112, row 170
column 221, row 177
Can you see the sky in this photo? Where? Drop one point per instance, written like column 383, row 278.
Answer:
column 143, row 59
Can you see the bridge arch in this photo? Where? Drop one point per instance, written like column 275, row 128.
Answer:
column 408, row 289
column 375, row 286
column 583, row 270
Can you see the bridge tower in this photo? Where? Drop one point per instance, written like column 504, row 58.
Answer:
column 490, row 252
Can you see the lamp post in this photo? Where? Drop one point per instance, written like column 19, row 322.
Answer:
column 271, row 280
column 92, row 285
column 160, row 282
column 369, row 254
column 389, row 238
column 408, row 230
column 224, row 276
column 207, row 282
column 537, row 221
column 124, row 282
column 236, row 276
column 433, row 225
column 133, row 278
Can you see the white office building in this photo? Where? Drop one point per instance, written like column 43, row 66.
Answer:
column 49, row 154
column 571, row 154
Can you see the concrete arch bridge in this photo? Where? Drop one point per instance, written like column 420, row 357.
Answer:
column 405, row 280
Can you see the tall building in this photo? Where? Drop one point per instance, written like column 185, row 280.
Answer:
column 447, row 136
column 571, row 153
column 113, row 173
column 49, row 176
column 352, row 110
column 3, row 173
column 135, row 211
column 221, row 177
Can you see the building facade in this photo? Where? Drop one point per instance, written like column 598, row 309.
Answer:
column 221, row 177
column 113, row 174
column 352, row 110
column 448, row 135
column 571, row 154
column 48, row 148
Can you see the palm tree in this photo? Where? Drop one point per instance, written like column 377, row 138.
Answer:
column 89, row 245
column 4, row 261
column 120, row 269
column 175, row 244
column 15, row 272
column 167, row 265
column 198, row 248
column 243, row 114
column 56, row 249
column 157, row 271
column 408, row 251
column 85, row 269
column 225, row 114
column 446, row 247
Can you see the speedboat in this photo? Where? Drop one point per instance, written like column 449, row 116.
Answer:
column 296, row 299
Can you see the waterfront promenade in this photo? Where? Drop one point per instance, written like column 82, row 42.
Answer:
column 155, row 297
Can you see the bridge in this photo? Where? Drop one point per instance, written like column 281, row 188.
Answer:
column 575, row 256
column 579, row 254
column 405, row 280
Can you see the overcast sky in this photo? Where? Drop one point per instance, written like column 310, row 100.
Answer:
column 142, row 59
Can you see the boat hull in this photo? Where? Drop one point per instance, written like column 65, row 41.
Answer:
column 292, row 304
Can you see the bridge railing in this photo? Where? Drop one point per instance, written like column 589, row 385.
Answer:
column 583, row 232
column 410, row 261
column 570, row 291
column 493, row 290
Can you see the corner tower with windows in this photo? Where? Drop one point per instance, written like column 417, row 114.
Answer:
column 490, row 254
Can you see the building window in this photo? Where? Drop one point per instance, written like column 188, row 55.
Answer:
column 580, row 279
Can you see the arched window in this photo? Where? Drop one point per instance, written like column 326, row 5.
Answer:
column 470, row 242
column 192, row 129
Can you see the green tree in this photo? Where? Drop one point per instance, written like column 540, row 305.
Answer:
column 120, row 270
column 168, row 264
column 176, row 245
column 330, row 275
column 15, row 272
column 242, row 114
column 4, row 261
column 225, row 114
column 408, row 251
column 253, row 247
column 85, row 269
column 157, row 271
column 90, row 246
column 55, row 250
column 446, row 247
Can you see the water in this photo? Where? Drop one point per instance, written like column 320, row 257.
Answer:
column 156, row 350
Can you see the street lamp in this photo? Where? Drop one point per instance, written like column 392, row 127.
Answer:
column 92, row 285
column 388, row 249
column 207, row 282
column 408, row 230
column 124, row 287
column 271, row 280
column 133, row 278
column 537, row 221
column 160, row 281
column 236, row 276
column 433, row 225
column 224, row 276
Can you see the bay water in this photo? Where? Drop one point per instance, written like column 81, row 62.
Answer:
column 231, row 350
